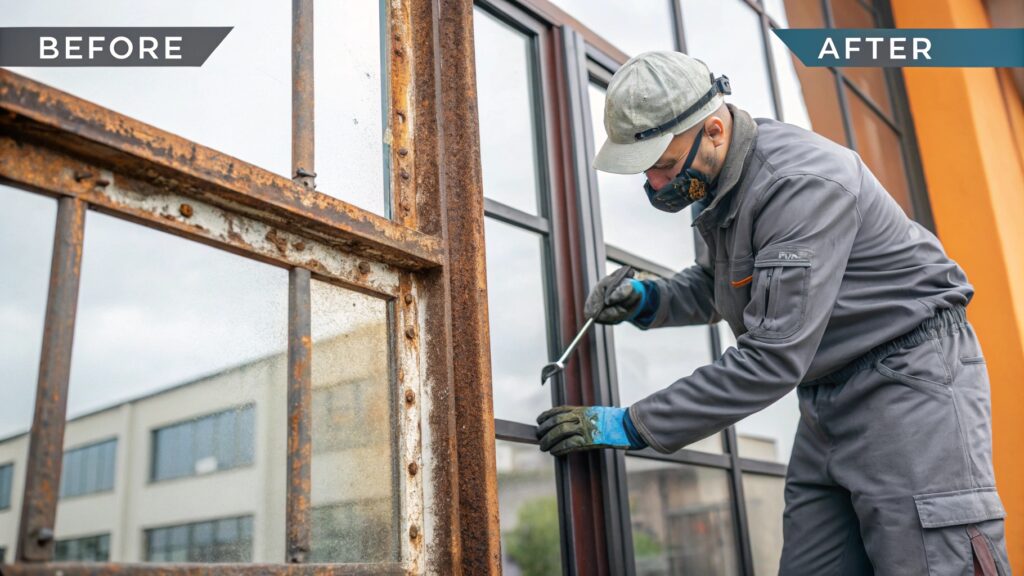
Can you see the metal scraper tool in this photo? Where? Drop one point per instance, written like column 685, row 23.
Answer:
column 552, row 368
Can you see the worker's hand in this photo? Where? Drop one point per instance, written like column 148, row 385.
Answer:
column 615, row 300
column 566, row 429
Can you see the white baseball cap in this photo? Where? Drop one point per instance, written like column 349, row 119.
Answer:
column 653, row 97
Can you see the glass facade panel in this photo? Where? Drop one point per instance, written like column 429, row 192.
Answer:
column 667, row 239
column 681, row 519
column 880, row 148
column 187, row 448
column 518, row 316
column 739, row 54
column 354, row 490
column 237, row 102
column 528, row 510
column 210, row 541
column 86, row 549
column 633, row 27
column 351, row 152
column 765, row 496
column 26, row 245
column 871, row 81
column 88, row 469
column 511, row 154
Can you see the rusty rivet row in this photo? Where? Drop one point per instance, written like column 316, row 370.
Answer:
column 410, row 396
column 185, row 210
column 364, row 267
column 413, row 468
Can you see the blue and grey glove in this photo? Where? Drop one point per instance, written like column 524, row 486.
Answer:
column 616, row 300
column 566, row 429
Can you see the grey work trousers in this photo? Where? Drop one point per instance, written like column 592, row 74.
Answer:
column 891, row 471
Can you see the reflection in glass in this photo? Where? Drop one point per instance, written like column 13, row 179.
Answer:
column 528, row 510
column 765, row 503
column 353, row 493
column 879, row 147
column 633, row 27
column 509, row 114
column 667, row 239
column 349, row 88
column 871, row 81
column 518, row 318
column 738, row 54
column 26, row 246
column 681, row 519
column 237, row 102
column 650, row 360
column 169, row 333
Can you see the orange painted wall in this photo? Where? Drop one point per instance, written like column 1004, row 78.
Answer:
column 968, row 126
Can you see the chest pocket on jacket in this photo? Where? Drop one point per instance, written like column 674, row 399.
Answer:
column 778, row 299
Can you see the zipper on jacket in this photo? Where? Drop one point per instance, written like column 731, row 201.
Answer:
column 767, row 294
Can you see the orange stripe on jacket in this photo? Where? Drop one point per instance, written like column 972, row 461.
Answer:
column 743, row 282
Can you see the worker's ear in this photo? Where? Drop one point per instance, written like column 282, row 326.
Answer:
column 715, row 130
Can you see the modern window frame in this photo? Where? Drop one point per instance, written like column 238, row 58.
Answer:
column 193, row 422
column 81, row 448
column 87, row 537
column 147, row 534
column 6, row 496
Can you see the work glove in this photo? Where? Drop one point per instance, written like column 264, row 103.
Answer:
column 616, row 298
column 566, row 429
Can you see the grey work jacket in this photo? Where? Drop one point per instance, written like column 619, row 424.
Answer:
column 809, row 260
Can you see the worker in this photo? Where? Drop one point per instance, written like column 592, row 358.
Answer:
column 830, row 289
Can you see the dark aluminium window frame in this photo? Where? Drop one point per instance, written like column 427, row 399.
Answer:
column 583, row 57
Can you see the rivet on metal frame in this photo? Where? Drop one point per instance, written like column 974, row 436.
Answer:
column 413, row 468
column 410, row 396
column 414, row 531
column 410, row 332
column 185, row 210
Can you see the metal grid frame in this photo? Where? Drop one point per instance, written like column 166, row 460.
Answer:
column 426, row 263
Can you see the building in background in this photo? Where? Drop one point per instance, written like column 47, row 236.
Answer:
column 506, row 99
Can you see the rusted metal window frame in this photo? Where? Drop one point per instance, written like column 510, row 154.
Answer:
column 427, row 263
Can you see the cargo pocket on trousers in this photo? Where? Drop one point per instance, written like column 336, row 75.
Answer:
column 959, row 530
column 779, row 293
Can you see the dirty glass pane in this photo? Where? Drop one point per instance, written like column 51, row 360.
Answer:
column 765, row 504
column 518, row 320
column 237, row 102
column 666, row 239
column 681, row 519
column 648, row 361
column 169, row 335
column 354, row 496
column 853, row 14
column 632, row 27
column 739, row 54
column 26, row 247
column 510, row 121
column 880, row 148
column 528, row 510
column 351, row 152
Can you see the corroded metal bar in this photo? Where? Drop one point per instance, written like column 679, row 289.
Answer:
column 302, row 94
column 91, row 569
column 300, row 416
column 32, row 111
column 54, row 172
column 46, row 439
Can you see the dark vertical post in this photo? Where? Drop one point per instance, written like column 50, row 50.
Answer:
column 302, row 93
column 300, row 452
column 46, row 439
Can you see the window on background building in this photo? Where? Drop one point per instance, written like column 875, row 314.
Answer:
column 528, row 510
column 86, row 549
column 3, row 554
column 633, row 27
column 88, row 469
column 216, row 442
column 223, row 540
column 6, row 478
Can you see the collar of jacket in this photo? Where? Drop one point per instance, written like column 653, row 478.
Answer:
column 741, row 147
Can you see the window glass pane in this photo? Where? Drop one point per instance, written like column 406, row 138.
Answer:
column 738, row 54
column 765, row 504
column 528, row 510
column 353, row 483
column 632, row 27
column 649, row 361
column 853, row 14
column 666, row 239
column 88, row 469
column 86, row 549
column 351, row 151
column 880, row 148
column 518, row 321
column 26, row 245
column 162, row 343
column 237, row 102
column 219, row 540
column 681, row 519
column 510, row 146
column 6, row 474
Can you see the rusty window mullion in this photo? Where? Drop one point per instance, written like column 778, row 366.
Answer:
column 46, row 439
column 300, row 419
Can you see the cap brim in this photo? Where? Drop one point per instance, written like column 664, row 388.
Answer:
column 631, row 158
